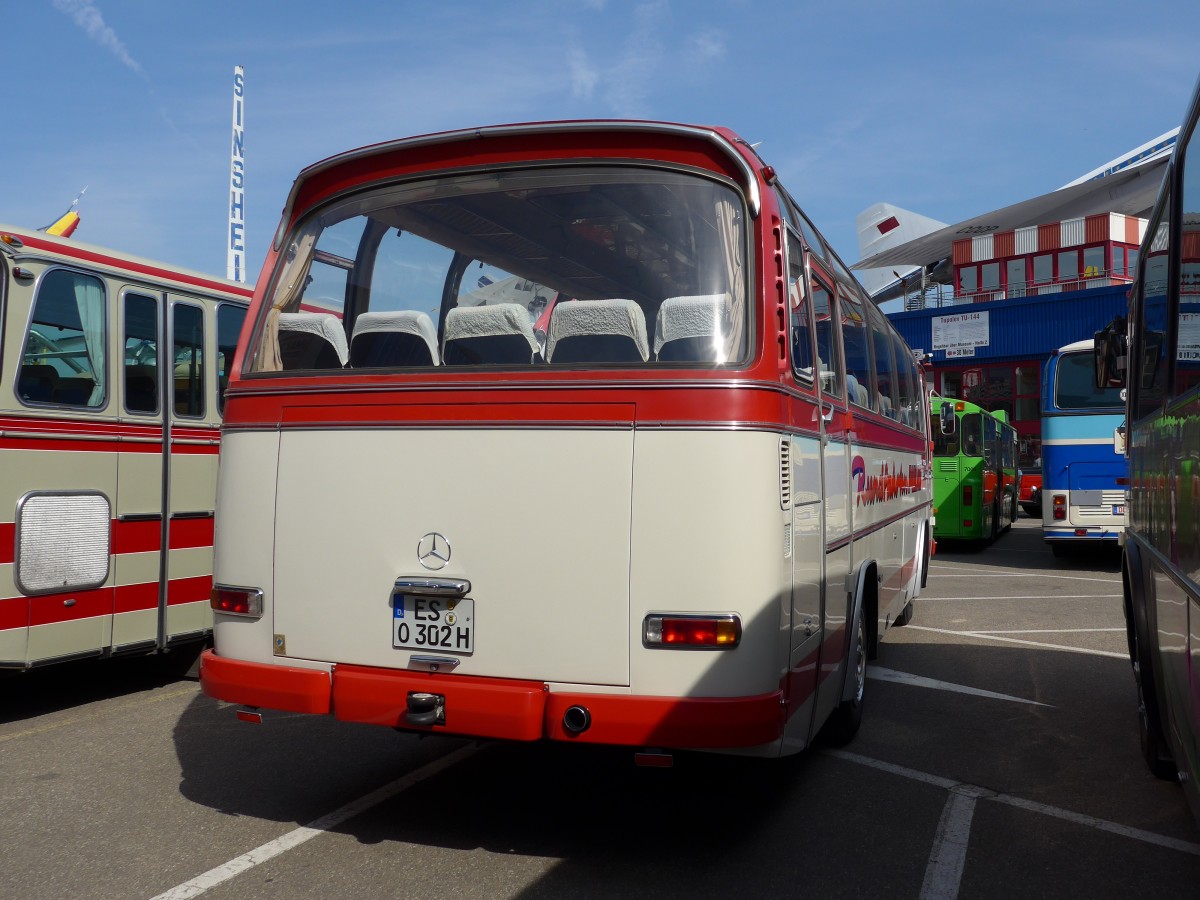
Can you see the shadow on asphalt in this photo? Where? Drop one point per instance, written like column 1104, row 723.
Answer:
column 61, row 686
column 1022, row 546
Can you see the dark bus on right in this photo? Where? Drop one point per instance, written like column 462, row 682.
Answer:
column 1155, row 355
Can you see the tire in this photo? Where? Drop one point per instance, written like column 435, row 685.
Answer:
column 905, row 616
column 1154, row 748
column 844, row 722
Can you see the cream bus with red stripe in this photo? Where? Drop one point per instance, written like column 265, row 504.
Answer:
column 107, row 491
column 598, row 441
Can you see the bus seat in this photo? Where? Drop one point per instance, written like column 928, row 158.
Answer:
column 597, row 331
column 141, row 388
column 857, row 393
column 500, row 334
column 406, row 338
column 311, row 341
column 692, row 328
column 37, row 383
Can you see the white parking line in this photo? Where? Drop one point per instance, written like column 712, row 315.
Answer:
column 1047, row 630
column 271, row 849
column 984, row 636
column 1056, row 597
column 883, row 674
column 1137, row 834
column 943, row 873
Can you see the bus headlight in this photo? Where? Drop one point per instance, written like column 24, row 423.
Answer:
column 704, row 631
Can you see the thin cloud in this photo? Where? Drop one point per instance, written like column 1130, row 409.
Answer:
column 87, row 17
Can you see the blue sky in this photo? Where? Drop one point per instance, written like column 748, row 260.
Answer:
column 950, row 108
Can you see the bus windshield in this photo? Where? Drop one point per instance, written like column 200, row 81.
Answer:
column 573, row 265
column 1075, row 385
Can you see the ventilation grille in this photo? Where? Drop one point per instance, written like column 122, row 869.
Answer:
column 785, row 474
column 62, row 542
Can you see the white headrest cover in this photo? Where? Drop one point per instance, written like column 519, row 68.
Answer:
column 408, row 321
column 594, row 317
column 489, row 321
column 699, row 315
column 323, row 325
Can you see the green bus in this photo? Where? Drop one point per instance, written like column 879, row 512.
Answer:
column 975, row 481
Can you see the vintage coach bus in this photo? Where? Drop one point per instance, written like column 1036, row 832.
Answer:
column 573, row 431
column 111, row 370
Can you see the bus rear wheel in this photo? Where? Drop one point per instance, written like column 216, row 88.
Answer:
column 845, row 720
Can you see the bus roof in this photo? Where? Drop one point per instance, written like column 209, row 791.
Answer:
column 33, row 243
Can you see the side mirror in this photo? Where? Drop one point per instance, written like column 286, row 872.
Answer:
column 948, row 421
column 1110, row 353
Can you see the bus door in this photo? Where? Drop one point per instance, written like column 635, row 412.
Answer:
column 835, row 480
column 198, row 362
column 138, row 513
column 59, row 465
column 806, row 516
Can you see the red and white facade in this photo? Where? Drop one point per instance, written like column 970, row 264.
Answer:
column 1069, row 255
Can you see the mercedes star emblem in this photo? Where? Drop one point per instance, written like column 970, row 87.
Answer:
column 433, row 551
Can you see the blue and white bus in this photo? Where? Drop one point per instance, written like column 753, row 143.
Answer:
column 1084, row 472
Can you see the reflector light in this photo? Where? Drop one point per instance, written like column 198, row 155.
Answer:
column 968, row 523
column 696, row 631
column 1080, row 532
column 236, row 601
column 888, row 224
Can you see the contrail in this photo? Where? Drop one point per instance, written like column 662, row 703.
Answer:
column 87, row 17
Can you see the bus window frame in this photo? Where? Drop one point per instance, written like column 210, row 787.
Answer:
column 1137, row 306
column 816, row 275
column 845, row 296
column 806, row 383
column 106, row 341
column 157, row 297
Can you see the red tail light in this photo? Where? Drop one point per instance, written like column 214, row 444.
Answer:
column 1060, row 507
column 236, row 601
column 968, row 495
column 704, row 631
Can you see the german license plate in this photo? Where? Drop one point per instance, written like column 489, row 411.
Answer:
column 433, row 623
column 1119, row 510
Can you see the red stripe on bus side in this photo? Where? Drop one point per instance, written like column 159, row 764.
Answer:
column 8, row 542
column 14, row 612
column 189, row 590
column 49, row 609
column 136, row 537
column 135, row 597
column 191, row 533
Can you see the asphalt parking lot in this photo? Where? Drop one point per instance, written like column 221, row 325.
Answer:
column 998, row 756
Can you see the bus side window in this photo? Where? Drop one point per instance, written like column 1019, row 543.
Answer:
column 229, row 325
column 907, row 392
column 1187, row 350
column 828, row 357
column 188, row 356
column 63, row 361
column 141, row 353
column 886, row 372
column 857, row 343
column 798, row 311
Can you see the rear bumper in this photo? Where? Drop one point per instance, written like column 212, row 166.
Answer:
column 497, row 708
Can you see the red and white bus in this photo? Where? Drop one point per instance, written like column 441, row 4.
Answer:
column 599, row 441
column 111, row 370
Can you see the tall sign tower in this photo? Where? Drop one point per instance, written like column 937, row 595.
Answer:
column 235, row 260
